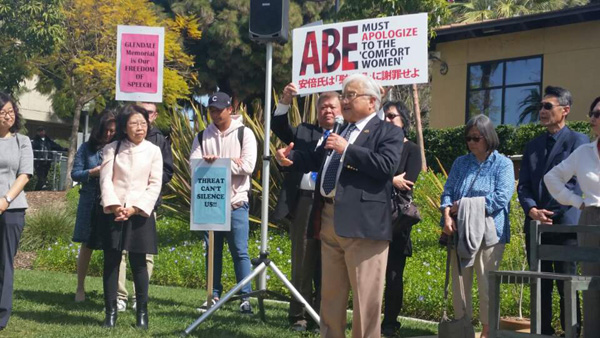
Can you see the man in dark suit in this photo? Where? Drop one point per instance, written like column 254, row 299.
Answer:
column 540, row 155
column 297, row 195
column 42, row 147
column 352, row 208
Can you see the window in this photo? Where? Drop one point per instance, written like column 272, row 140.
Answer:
column 507, row 91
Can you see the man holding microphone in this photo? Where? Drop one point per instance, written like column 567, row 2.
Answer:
column 351, row 212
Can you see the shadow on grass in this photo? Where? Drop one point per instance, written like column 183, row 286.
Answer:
column 50, row 316
column 60, row 299
column 411, row 332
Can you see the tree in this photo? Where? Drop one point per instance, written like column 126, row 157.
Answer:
column 82, row 67
column 226, row 57
column 479, row 10
column 27, row 28
column 437, row 14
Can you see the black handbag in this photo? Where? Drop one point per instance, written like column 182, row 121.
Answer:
column 405, row 213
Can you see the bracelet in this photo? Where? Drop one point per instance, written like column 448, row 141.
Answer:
column 8, row 199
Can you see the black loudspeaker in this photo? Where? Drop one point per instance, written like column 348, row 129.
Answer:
column 269, row 20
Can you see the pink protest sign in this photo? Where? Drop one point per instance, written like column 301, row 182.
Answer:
column 139, row 69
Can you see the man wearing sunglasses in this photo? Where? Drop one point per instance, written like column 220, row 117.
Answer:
column 540, row 156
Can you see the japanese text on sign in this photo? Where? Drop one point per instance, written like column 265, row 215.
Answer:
column 392, row 50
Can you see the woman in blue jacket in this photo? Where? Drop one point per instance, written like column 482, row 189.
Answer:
column 86, row 170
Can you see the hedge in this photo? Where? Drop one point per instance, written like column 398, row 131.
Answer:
column 180, row 261
column 449, row 143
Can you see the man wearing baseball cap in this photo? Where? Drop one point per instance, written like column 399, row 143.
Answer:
column 227, row 137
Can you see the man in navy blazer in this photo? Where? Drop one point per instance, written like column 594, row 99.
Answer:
column 352, row 208
column 297, row 195
column 540, row 155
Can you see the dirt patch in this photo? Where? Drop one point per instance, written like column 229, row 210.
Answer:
column 24, row 260
column 38, row 199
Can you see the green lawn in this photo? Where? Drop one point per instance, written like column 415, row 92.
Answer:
column 44, row 307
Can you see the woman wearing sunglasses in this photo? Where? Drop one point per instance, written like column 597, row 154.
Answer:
column 401, row 245
column 475, row 207
column 583, row 163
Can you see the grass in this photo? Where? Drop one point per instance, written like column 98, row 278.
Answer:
column 43, row 307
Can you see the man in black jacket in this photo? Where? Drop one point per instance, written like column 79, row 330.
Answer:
column 157, row 138
column 42, row 146
column 541, row 155
column 352, row 208
column 296, row 197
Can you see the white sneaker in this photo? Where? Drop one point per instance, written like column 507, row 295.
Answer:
column 121, row 305
column 245, row 307
column 134, row 304
column 204, row 307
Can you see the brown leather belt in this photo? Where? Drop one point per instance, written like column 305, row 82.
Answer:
column 328, row 200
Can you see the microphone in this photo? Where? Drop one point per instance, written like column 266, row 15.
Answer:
column 337, row 128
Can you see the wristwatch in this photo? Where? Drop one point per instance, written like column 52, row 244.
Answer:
column 8, row 199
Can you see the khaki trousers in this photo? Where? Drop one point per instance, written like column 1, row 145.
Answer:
column 487, row 259
column 306, row 254
column 122, row 290
column 350, row 263
column 591, row 299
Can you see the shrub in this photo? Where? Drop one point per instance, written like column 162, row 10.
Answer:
column 47, row 225
column 72, row 197
column 448, row 144
column 181, row 261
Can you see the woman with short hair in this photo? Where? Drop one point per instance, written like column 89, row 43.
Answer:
column 130, row 180
column 86, row 171
column 16, row 168
column 477, row 195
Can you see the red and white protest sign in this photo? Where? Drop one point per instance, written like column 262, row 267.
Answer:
column 391, row 50
column 140, row 56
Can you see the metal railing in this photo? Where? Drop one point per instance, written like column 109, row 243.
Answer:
column 57, row 162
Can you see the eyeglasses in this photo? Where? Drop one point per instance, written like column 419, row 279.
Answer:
column 475, row 139
column 595, row 114
column 137, row 124
column 548, row 105
column 4, row 113
column 351, row 96
column 391, row 116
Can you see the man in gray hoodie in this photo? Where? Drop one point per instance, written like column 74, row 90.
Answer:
column 227, row 137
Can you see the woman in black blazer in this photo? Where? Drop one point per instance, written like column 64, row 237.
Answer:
column 401, row 245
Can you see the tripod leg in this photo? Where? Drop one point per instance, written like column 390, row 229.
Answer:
column 295, row 293
column 261, row 308
column 225, row 298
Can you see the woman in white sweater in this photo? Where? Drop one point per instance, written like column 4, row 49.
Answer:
column 584, row 163
column 130, row 181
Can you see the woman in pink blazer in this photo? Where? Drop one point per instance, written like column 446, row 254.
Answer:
column 130, row 181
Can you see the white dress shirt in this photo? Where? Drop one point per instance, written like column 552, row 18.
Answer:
column 360, row 125
column 584, row 163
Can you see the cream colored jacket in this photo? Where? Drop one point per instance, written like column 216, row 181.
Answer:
column 134, row 178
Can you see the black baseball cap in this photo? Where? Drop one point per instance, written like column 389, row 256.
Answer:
column 219, row 100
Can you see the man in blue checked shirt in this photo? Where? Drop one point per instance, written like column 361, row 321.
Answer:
column 296, row 197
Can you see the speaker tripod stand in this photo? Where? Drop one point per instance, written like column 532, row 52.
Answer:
column 261, row 265
column 263, row 262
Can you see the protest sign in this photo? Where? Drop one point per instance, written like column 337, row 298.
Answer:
column 140, row 56
column 391, row 50
column 211, row 195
